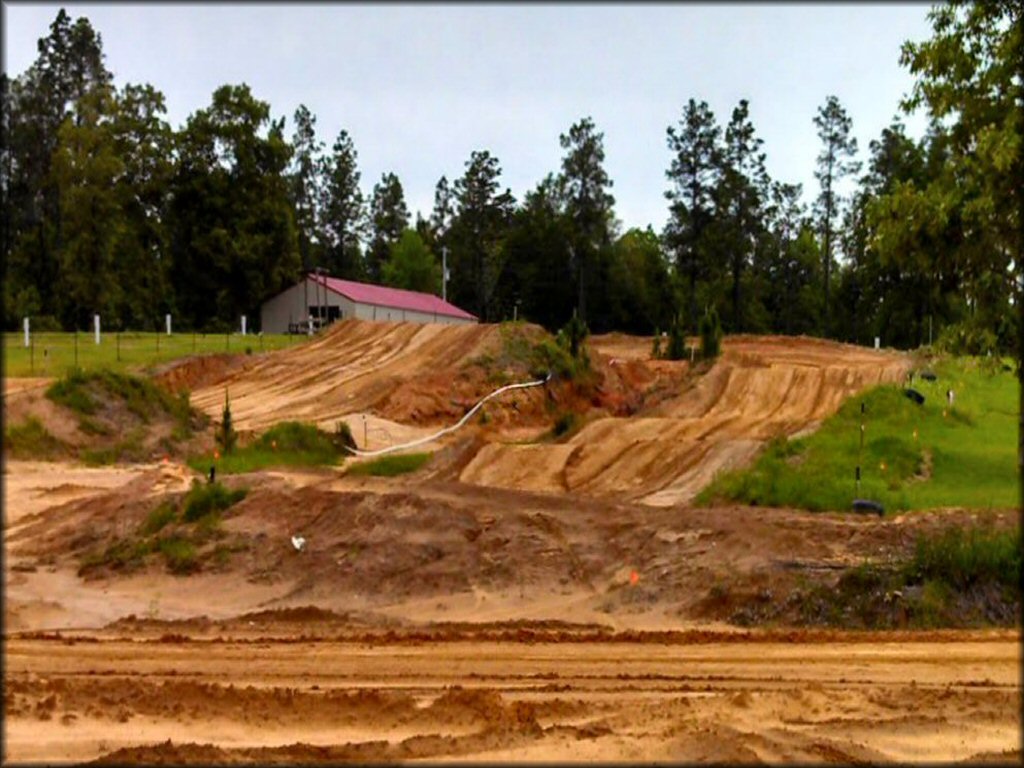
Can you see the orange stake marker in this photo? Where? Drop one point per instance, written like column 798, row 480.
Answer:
column 634, row 578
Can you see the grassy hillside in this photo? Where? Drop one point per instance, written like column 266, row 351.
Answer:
column 914, row 456
column 53, row 354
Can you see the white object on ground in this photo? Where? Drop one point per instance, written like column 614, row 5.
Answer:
column 298, row 542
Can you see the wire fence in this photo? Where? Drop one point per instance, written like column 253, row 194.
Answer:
column 55, row 353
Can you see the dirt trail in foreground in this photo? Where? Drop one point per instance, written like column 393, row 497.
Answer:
column 762, row 387
column 202, row 700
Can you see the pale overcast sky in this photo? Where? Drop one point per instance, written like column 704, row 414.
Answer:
column 419, row 87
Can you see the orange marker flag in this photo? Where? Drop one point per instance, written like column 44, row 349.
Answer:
column 634, row 578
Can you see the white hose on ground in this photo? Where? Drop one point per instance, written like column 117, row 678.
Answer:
column 453, row 427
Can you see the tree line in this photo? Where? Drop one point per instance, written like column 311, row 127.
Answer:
column 108, row 209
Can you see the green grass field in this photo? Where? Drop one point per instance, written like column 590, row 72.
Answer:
column 914, row 457
column 53, row 354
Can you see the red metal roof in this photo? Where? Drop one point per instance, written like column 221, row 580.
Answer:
column 414, row 301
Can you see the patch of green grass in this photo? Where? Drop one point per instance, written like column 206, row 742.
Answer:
column 132, row 352
column 962, row 559
column 83, row 392
column 180, row 554
column 209, row 498
column 92, row 427
column 964, row 456
column 955, row 578
column 120, row 555
column 159, row 517
column 287, row 444
column 389, row 466
column 70, row 391
column 31, row 440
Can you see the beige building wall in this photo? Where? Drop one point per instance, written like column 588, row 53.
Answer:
column 291, row 306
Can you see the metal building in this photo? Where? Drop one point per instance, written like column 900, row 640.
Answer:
column 320, row 300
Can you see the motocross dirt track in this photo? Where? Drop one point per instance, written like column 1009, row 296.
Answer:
column 762, row 387
column 431, row 618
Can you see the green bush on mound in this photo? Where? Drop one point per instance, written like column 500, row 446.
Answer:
column 287, row 444
column 31, row 440
column 956, row 577
column 389, row 466
column 186, row 523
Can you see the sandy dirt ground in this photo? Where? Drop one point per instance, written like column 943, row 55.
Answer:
column 567, row 604
column 189, row 697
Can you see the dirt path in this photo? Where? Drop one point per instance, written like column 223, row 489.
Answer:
column 949, row 698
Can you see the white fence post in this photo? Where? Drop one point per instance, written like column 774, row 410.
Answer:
column 243, row 325
column 26, row 333
column 96, row 327
column 167, row 319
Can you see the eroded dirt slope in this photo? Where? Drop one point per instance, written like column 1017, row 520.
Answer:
column 761, row 388
column 349, row 369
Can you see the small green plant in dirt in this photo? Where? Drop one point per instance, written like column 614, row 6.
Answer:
column 120, row 555
column 955, row 577
column 70, row 391
column 226, row 436
column 180, row 554
column 656, row 345
column 962, row 559
column 208, row 498
column 31, row 440
column 389, row 466
column 163, row 515
column 566, row 422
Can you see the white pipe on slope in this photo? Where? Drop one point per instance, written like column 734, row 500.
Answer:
column 446, row 430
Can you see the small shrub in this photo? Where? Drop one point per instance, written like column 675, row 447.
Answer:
column 180, row 554
column 70, row 392
column 226, row 435
column 31, row 440
column 389, row 466
column 565, row 423
column 92, row 427
column 343, row 438
column 158, row 518
column 121, row 554
column 656, row 346
column 205, row 499
column 965, row 558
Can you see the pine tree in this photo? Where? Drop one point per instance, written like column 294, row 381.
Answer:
column 835, row 162
column 227, row 438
